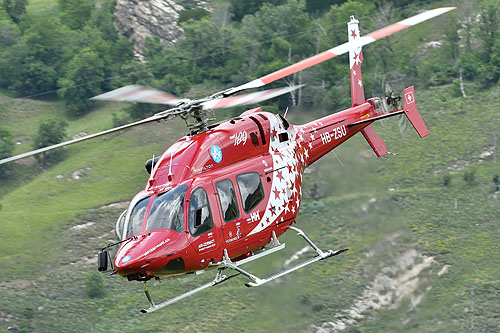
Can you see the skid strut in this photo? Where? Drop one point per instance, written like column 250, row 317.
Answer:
column 219, row 278
column 256, row 282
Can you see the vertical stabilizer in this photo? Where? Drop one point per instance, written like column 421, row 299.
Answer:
column 411, row 112
column 355, row 60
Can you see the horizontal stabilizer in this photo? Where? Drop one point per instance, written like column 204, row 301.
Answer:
column 375, row 142
column 410, row 109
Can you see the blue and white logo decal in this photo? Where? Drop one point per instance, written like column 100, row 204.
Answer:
column 216, row 153
column 125, row 259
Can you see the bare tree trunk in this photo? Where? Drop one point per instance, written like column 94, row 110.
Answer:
column 299, row 102
column 292, row 93
column 320, row 31
column 494, row 148
column 462, row 89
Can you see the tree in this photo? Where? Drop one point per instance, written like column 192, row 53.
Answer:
column 488, row 33
column 201, row 44
column 34, row 64
column 315, row 7
column 12, row 50
column 102, row 18
column 94, row 285
column 50, row 132
column 6, row 147
column 82, row 81
column 36, row 77
column 15, row 9
column 192, row 14
column 9, row 34
column 75, row 13
column 279, row 36
column 248, row 7
column 470, row 177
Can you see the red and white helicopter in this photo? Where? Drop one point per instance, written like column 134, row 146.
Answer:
column 221, row 196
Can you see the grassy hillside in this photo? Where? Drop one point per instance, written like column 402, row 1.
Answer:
column 424, row 256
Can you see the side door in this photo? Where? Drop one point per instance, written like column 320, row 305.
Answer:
column 200, row 222
column 233, row 226
column 252, row 196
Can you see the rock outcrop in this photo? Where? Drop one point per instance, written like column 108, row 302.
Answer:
column 140, row 19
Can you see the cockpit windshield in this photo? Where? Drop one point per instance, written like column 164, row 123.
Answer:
column 167, row 210
column 137, row 216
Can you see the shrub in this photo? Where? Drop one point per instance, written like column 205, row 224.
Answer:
column 6, row 147
column 50, row 132
column 94, row 285
column 447, row 180
column 121, row 118
column 470, row 177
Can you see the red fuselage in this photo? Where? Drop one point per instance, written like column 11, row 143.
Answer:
column 228, row 188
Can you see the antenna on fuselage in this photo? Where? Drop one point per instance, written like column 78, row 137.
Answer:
column 338, row 159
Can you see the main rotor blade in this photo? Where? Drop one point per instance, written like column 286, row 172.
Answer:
column 140, row 94
column 341, row 49
column 246, row 99
column 158, row 116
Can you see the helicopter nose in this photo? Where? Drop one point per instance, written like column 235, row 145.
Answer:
column 128, row 262
column 146, row 254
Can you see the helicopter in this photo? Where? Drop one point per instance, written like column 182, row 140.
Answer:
column 222, row 195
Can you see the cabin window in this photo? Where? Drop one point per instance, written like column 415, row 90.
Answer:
column 200, row 218
column 283, row 136
column 254, row 139
column 137, row 216
column 167, row 211
column 227, row 199
column 251, row 190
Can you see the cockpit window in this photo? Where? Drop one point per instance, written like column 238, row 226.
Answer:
column 167, row 211
column 137, row 216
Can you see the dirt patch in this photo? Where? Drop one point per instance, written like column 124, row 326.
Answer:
column 19, row 286
column 390, row 286
column 122, row 205
column 297, row 255
column 82, row 226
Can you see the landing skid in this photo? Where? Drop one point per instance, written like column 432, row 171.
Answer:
column 255, row 281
